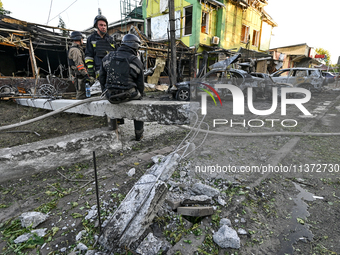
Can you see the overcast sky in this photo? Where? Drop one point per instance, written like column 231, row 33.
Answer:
column 313, row 22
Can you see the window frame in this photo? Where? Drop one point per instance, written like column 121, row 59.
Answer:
column 256, row 37
column 244, row 33
column 185, row 29
column 207, row 21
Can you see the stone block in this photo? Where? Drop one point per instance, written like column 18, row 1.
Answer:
column 196, row 211
column 173, row 203
column 202, row 200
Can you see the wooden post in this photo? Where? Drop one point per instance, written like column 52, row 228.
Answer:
column 34, row 66
column 33, row 62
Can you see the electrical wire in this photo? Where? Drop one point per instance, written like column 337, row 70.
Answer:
column 49, row 13
column 262, row 134
column 64, row 10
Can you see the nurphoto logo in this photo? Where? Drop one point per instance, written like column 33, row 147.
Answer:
column 285, row 94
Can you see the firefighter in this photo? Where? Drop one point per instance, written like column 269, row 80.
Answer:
column 76, row 59
column 98, row 45
column 121, row 76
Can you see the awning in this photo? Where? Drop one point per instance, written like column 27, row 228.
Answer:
column 252, row 53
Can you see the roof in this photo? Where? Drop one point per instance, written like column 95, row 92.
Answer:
column 290, row 46
column 252, row 53
column 18, row 33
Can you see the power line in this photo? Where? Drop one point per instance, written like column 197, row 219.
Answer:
column 64, row 10
column 49, row 12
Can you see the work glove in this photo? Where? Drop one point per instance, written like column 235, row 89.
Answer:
column 91, row 72
column 92, row 80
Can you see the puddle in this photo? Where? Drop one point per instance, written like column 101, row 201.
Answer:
column 295, row 230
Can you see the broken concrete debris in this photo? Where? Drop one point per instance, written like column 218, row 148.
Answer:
column 32, row 219
column 226, row 237
column 202, row 199
column 225, row 221
column 241, row 231
column 152, row 245
column 174, row 204
column 92, row 214
column 221, row 201
column 23, row 238
column 131, row 172
column 81, row 247
column 157, row 159
column 203, row 189
column 80, row 234
column 137, row 210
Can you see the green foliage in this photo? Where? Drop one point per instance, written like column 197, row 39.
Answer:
column 2, row 10
column 322, row 51
column 62, row 25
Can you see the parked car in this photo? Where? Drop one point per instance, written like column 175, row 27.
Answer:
column 262, row 84
column 309, row 78
column 329, row 77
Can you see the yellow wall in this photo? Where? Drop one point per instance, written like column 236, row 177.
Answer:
column 235, row 18
column 153, row 9
column 234, row 15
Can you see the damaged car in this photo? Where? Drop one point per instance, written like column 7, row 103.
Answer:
column 302, row 77
column 221, row 74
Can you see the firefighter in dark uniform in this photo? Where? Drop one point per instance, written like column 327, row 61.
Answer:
column 98, row 45
column 121, row 76
column 76, row 59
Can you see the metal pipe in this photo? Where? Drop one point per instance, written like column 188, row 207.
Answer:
column 97, row 191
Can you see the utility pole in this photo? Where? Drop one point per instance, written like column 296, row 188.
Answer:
column 173, row 59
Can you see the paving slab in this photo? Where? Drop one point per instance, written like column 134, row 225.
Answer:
column 196, row 211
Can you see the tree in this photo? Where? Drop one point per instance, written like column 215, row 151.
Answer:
column 2, row 10
column 322, row 51
column 62, row 25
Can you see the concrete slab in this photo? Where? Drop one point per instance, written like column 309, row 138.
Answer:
column 162, row 112
column 198, row 211
column 49, row 154
column 173, row 203
column 136, row 212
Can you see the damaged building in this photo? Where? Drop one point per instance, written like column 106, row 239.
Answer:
column 33, row 55
column 215, row 29
column 299, row 55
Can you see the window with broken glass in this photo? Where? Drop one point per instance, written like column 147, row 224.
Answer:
column 205, row 23
column 256, row 36
column 244, row 34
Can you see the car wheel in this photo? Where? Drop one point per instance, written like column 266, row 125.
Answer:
column 183, row 94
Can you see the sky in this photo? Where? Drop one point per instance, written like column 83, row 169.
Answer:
column 313, row 22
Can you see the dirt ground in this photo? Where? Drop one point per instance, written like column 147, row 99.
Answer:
column 277, row 210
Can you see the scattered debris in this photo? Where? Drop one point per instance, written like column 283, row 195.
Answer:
column 32, row 219
column 202, row 199
column 225, row 221
column 137, row 210
column 226, row 237
column 202, row 189
column 23, row 238
column 131, row 172
column 151, row 245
